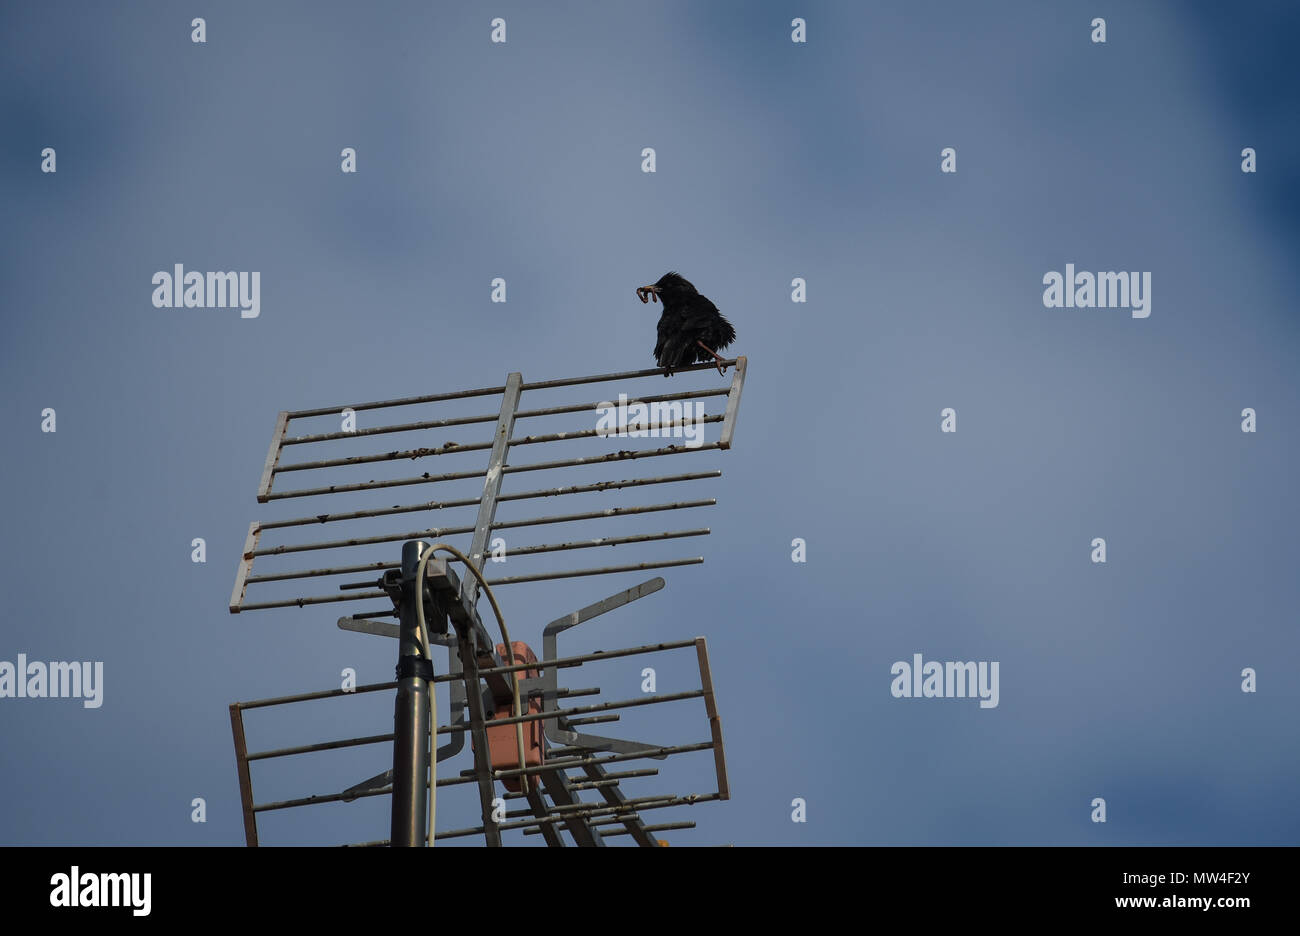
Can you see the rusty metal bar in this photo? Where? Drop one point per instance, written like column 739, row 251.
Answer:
column 604, row 541
column 401, row 427
column 272, row 457
column 315, row 573
column 404, row 401
column 733, row 404
column 310, row 696
column 623, row 433
column 715, row 721
column 438, row 532
column 602, row 514
column 568, row 763
column 662, row 827
column 412, row 454
column 321, row 746
column 492, row 391
column 427, row 478
column 596, row 487
column 562, row 662
column 603, row 570
column 245, row 779
column 320, row 599
column 584, row 709
column 612, row 820
column 452, row 422
column 625, row 375
column 245, row 567
column 613, row 457
column 615, row 813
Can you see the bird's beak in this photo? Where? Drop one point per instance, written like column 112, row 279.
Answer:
column 646, row 293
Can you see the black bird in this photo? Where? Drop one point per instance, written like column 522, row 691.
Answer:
column 691, row 328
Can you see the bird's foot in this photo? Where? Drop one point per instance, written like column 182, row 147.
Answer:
column 722, row 362
column 646, row 293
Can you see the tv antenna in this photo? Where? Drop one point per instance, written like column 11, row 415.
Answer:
column 525, row 730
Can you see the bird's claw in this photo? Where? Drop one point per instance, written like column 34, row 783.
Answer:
column 646, row 293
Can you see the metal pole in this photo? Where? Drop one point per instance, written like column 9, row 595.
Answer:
column 411, row 711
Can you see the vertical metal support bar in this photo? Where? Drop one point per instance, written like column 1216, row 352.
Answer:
column 245, row 781
column 411, row 711
column 245, row 566
column 478, row 721
column 733, row 404
column 272, row 457
column 715, row 721
column 487, row 506
column 487, row 511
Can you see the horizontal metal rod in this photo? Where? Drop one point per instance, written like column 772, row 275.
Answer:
column 336, row 570
column 323, row 694
column 345, row 797
column 581, row 785
column 629, row 455
column 568, row 661
column 652, row 431
column 604, row 541
column 430, row 532
column 401, row 427
column 631, row 774
column 571, row 693
column 319, row 599
column 611, row 820
column 625, row 375
column 594, row 784
column 322, row 746
column 427, row 478
column 631, row 401
column 438, row 532
column 380, row 567
column 536, row 823
column 412, row 454
column 641, row 801
column 506, row 580
column 569, row 763
column 492, row 417
column 580, row 710
column 601, row 514
column 618, row 813
column 404, row 401
column 603, row 570
column 662, row 827
column 474, row 501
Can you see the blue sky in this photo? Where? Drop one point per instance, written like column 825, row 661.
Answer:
column 775, row 160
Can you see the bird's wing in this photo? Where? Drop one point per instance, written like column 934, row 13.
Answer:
column 705, row 322
column 670, row 325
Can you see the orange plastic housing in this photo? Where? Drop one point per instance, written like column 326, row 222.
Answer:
column 502, row 745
